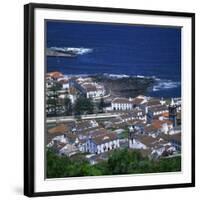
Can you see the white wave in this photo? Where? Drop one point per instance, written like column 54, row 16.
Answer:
column 75, row 50
column 140, row 76
column 117, row 75
column 80, row 51
column 155, row 89
column 165, row 85
column 149, row 77
column 127, row 76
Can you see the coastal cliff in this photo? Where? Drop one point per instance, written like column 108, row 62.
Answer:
column 125, row 86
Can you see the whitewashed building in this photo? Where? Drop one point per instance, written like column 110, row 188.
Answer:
column 68, row 150
column 64, row 82
column 164, row 126
column 102, row 143
column 122, row 104
column 158, row 110
column 94, row 90
column 154, row 146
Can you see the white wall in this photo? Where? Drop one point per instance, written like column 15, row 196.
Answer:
column 11, row 47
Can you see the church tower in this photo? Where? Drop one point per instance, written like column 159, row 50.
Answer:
column 131, row 136
column 173, row 112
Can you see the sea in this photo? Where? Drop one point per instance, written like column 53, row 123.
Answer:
column 119, row 50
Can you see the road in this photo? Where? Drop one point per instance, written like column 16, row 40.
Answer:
column 72, row 118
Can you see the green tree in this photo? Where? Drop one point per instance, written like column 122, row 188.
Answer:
column 101, row 104
column 119, row 162
column 62, row 166
column 124, row 161
column 68, row 106
column 57, row 167
column 52, row 98
column 83, row 106
column 56, row 86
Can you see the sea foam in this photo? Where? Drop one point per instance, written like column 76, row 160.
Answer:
column 165, row 85
column 75, row 50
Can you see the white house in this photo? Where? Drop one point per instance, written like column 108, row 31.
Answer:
column 158, row 110
column 64, row 82
column 140, row 141
column 58, row 139
column 68, row 150
column 102, row 143
column 128, row 103
column 158, row 151
column 72, row 98
column 81, row 145
column 136, row 144
column 135, row 114
column 155, row 146
column 93, row 90
column 175, row 130
column 122, row 104
column 85, row 125
column 150, row 103
column 163, row 126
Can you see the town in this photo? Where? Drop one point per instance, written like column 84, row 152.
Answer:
column 86, row 118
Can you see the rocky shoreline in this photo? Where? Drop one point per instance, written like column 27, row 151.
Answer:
column 53, row 53
column 125, row 86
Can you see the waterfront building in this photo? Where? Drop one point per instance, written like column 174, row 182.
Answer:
column 88, row 89
column 93, row 90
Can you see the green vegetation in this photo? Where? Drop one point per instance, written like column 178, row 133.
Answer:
column 168, row 101
column 119, row 162
column 68, row 106
column 101, row 105
column 58, row 167
column 124, row 134
column 83, row 106
column 52, row 100
column 56, row 86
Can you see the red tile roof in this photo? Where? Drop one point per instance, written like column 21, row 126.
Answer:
column 55, row 75
column 90, row 87
column 158, row 123
column 122, row 100
column 61, row 128
column 101, row 139
column 137, row 101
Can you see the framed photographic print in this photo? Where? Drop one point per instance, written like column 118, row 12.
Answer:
column 108, row 99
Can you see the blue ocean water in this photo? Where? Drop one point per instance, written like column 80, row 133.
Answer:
column 120, row 49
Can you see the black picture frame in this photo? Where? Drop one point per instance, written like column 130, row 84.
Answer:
column 29, row 95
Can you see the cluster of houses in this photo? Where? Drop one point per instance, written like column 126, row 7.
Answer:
column 83, row 85
column 87, row 137
column 89, row 88
column 152, row 124
column 71, row 87
column 90, row 137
